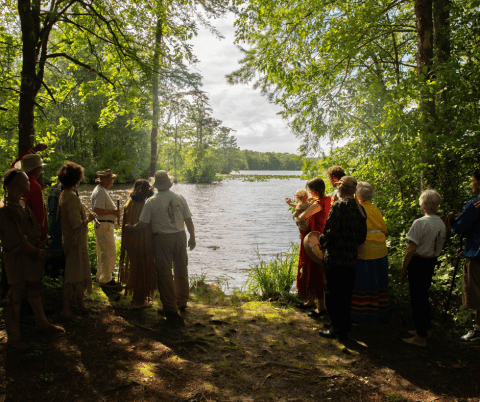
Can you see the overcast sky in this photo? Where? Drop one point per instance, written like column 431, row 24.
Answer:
column 257, row 124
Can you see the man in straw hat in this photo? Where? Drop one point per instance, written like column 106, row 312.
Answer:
column 23, row 258
column 104, row 207
column 168, row 213
column 345, row 230
column 32, row 164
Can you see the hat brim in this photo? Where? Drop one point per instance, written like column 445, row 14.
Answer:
column 18, row 165
column 162, row 186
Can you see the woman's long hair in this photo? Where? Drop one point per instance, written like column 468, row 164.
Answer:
column 141, row 191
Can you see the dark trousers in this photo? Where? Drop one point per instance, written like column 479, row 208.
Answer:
column 339, row 283
column 420, row 272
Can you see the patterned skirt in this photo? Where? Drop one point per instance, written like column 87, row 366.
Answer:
column 370, row 294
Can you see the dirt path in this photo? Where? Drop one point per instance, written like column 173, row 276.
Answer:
column 230, row 350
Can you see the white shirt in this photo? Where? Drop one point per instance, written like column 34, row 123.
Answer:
column 101, row 199
column 166, row 211
column 428, row 233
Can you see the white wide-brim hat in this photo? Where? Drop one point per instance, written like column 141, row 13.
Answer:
column 30, row 162
column 163, row 181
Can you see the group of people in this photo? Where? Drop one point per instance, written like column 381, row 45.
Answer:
column 153, row 241
column 350, row 280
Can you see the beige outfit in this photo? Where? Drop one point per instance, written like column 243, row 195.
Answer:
column 167, row 211
column 137, row 263
column 105, row 235
column 75, row 245
column 15, row 222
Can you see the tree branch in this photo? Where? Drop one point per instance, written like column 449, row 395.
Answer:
column 79, row 63
column 376, row 136
column 49, row 92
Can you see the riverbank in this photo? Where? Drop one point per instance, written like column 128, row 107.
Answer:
column 232, row 348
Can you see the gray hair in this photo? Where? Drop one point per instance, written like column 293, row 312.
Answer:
column 430, row 200
column 364, row 191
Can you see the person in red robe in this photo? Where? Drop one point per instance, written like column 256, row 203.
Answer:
column 32, row 164
column 310, row 277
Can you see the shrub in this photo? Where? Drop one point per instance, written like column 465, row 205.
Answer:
column 275, row 277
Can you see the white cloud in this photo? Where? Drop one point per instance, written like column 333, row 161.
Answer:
column 257, row 124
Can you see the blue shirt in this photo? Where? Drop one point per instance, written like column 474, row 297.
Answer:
column 468, row 225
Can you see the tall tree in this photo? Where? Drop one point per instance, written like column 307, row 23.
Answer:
column 425, row 60
column 155, row 105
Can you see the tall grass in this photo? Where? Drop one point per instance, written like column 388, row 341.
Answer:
column 275, row 277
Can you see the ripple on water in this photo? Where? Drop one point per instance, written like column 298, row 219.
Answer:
column 237, row 217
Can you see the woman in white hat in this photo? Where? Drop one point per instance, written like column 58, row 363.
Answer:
column 104, row 207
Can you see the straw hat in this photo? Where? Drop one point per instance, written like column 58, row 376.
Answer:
column 163, row 181
column 30, row 162
column 105, row 174
column 311, row 243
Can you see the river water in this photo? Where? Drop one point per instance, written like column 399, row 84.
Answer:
column 233, row 220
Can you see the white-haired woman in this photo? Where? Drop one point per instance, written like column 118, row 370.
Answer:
column 370, row 293
column 424, row 244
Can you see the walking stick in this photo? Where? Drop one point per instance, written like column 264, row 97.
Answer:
column 118, row 216
column 90, row 212
column 447, row 305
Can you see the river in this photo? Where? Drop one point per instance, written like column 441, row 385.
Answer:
column 233, row 220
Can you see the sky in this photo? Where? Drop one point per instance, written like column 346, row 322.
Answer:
column 240, row 107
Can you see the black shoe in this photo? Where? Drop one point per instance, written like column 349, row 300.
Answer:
column 327, row 333
column 174, row 319
column 332, row 334
column 314, row 314
column 302, row 306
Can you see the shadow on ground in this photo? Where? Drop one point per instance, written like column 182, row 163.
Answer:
column 230, row 349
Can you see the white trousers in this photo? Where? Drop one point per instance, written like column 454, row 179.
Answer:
column 106, row 251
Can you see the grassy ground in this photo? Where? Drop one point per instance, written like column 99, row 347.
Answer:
column 232, row 348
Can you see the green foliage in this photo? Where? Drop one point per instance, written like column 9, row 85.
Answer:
column 275, row 277
column 271, row 161
column 198, row 170
column 92, row 248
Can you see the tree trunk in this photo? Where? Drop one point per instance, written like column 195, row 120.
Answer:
column 442, row 33
column 175, row 155
column 29, row 21
column 155, row 106
column 424, row 17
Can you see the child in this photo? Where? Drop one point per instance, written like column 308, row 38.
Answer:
column 334, row 174
column 302, row 197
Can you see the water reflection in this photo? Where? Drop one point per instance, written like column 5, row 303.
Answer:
column 232, row 220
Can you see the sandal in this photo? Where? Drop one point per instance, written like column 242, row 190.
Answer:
column 50, row 329
column 144, row 305
column 415, row 341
